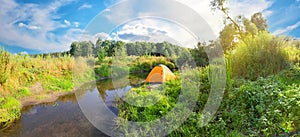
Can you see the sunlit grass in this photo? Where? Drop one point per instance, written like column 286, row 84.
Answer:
column 20, row 72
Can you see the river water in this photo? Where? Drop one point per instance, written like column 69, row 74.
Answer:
column 64, row 117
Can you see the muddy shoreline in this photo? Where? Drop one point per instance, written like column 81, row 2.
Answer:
column 40, row 95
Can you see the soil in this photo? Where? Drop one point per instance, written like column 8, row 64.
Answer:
column 39, row 96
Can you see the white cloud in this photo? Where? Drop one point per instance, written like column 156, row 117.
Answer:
column 213, row 18
column 40, row 18
column 155, row 31
column 202, row 7
column 287, row 29
column 267, row 13
column 22, row 25
column 85, row 6
column 107, row 10
column 75, row 34
column 23, row 53
column 236, row 7
column 76, row 24
column 68, row 23
column 248, row 7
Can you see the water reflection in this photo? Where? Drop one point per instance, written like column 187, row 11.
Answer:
column 64, row 117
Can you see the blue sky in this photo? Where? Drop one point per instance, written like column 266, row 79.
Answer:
column 35, row 26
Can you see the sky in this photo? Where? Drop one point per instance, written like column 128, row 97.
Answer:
column 41, row 26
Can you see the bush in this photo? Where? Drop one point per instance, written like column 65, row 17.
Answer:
column 9, row 111
column 294, row 54
column 146, row 63
column 103, row 71
column 259, row 56
column 266, row 107
column 23, row 92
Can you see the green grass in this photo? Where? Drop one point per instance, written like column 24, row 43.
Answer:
column 264, row 107
column 259, row 56
column 10, row 111
column 18, row 73
column 23, row 92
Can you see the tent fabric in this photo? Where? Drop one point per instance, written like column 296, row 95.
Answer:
column 160, row 74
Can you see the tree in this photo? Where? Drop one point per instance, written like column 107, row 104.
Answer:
column 250, row 28
column 259, row 21
column 199, row 55
column 86, row 48
column 97, row 46
column 227, row 36
column 220, row 5
column 75, row 49
column 101, row 54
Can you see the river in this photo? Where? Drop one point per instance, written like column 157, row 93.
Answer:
column 64, row 117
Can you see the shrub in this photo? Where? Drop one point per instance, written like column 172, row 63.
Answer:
column 23, row 92
column 9, row 111
column 294, row 54
column 259, row 56
column 103, row 71
column 146, row 63
column 266, row 107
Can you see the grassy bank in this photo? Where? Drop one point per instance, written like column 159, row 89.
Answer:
column 265, row 107
column 262, row 96
column 24, row 77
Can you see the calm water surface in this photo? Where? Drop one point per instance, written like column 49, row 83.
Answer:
column 64, row 117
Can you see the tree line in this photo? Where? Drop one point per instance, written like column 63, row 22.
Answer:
column 109, row 48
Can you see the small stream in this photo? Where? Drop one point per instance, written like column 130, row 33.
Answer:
column 64, row 117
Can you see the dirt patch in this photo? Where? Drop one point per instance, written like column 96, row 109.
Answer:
column 39, row 96
column 37, row 88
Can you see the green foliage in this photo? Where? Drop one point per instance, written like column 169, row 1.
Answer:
column 103, row 71
column 262, row 107
column 226, row 37
column 250, row 27
column 259, row 21
column 199, row 55
column 58, row 84
column 4, row 61
column 146, row 63
column 83, row 48
column 9, row 111
column 23, row 92
column 266, row 107
column 101, row 55
column 18, row 73
column 293, row 53
column 259, row 56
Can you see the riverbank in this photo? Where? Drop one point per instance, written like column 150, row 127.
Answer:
column 26, row 80
column 41, row 96
column 267, row 106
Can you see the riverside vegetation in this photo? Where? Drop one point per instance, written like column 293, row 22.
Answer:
column 20, row 73
column 262, row 96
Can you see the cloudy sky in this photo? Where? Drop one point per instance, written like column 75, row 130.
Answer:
column 36, row 26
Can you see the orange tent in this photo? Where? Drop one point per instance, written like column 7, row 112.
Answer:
column 160, row 74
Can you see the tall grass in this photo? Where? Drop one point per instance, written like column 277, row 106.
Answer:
column 266, row 107
column 20, row 72
column 294, row 54
column 259, row 56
